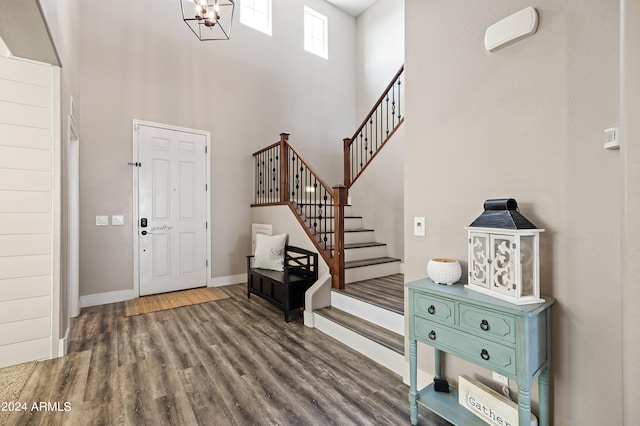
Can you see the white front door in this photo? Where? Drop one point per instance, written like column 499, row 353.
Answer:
column 172, row 223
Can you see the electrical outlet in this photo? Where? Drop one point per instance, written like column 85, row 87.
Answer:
column 500, row 378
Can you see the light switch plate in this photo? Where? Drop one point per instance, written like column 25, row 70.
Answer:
column 418, row 226
column 102, row 220
column 117, row 220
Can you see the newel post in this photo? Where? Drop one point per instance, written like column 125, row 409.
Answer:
column 347, row 161
column 284, row 167
column 339, row 201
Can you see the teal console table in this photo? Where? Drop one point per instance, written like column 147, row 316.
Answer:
column 513, row 340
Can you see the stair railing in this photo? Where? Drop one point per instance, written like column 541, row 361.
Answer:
column 284, row 177
column 376, row 129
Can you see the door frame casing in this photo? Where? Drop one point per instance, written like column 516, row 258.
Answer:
column 135, row 215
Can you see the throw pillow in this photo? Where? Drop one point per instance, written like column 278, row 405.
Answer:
column 270, row 251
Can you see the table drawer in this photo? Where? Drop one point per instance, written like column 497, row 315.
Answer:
column 484, row 323
column 492, row 356
column 434, row 308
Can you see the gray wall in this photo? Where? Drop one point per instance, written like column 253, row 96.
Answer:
column 378, row 194
column 139, row 60
column 630, row 150
column 525, row 122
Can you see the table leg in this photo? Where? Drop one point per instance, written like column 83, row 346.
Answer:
column 524, row 405
column 437, row 354
column 413, row 381
column 543, row 396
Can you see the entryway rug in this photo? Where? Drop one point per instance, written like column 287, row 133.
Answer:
column 12, row 380
column 176, row 299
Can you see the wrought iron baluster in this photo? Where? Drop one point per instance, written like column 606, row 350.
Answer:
column 393, row 107
column 370, row 137
column 387, row 103
column 276, row 175
column 399, row 103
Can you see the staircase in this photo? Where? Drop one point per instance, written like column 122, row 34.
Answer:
column 368, row 314
column 366, row 311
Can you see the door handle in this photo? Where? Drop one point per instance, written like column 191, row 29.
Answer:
column 145, row 232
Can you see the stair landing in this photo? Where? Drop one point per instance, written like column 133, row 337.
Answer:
column 386, row 292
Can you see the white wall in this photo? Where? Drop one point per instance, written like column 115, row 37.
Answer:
column 139, row 60
column 526, row 122
column 380, row 51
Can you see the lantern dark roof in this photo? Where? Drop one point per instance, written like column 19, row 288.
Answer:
column 502, row 213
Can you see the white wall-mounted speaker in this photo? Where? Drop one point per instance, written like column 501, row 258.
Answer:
column 511, row 29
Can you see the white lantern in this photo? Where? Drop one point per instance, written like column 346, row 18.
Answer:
column 504, row 256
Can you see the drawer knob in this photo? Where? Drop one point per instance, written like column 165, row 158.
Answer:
column 431, row 309
column 484, row 324
column 485, row 355
column 432, row 335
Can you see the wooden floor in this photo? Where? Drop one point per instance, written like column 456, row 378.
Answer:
column 229, row 362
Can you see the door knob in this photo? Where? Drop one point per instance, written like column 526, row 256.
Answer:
column 144, row 232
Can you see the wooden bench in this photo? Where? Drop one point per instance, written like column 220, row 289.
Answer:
column 285, row 289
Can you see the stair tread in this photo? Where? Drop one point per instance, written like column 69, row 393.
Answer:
column 378, row 334
column 362, row 245
column 367, row 262
column 332, row 217
column 386, row 292
column 350, row 230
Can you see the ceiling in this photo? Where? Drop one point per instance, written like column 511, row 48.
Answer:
column 352, row 7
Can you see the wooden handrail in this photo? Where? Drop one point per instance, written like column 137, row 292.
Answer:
column 378, row 102
column 376, row 129
column 323, row 183
column 273, row 145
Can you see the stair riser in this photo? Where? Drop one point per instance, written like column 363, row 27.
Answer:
column 328, row 211
column 372, row 271
column 365, row 253
column 374, row 314
column 359, row 237
column 378, row 353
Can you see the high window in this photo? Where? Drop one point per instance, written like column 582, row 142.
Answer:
column 315, row 33
column 256, row 14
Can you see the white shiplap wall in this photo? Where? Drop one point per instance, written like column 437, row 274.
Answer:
column 26, row 214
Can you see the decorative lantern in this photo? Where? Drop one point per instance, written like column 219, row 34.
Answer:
column 504, row 256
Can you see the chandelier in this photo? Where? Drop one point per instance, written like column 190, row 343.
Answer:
column 208, row 19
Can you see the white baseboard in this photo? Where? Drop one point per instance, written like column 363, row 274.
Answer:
column 63, row 344
column 122, row 295
column 228, row 280
column 106, row 298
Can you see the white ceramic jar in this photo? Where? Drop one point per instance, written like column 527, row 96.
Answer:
column 444, row 270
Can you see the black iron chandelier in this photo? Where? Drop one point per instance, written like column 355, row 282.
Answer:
column 208, row 19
